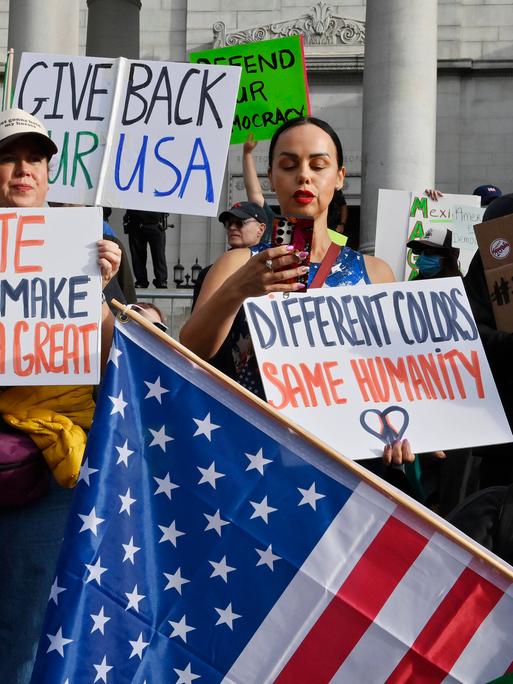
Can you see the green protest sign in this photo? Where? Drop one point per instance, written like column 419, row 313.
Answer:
column 273, row 85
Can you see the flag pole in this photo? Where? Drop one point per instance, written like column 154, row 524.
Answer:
column 126, row 313
column 8, row 95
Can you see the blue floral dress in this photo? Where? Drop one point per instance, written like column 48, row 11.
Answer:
column 348, row 269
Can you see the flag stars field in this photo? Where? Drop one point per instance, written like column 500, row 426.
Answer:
column 185, row 676
column 114, row 355
column 58, row 642
column 138, row 647
column 55, row 591
column 221, row 569
column 310, row 496
column 170, row 533
column 126, row 502
column 86, row 472
column 267, row 557
column 134, row 598
column 180, row 629
column 165, row 486
column 227, row 616
column 130, row 550
column 95, row 571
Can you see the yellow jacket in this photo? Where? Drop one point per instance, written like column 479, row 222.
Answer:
column 55, row 417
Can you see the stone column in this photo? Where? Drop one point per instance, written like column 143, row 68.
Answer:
column 113, row 28
column 43, row 26
column 399, row 102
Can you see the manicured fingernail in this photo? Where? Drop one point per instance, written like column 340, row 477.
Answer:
column 303, row 255
column 290, row 248
column 304, row 269
column 301, row 286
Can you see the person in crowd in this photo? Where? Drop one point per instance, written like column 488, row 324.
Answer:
column 497, row 461
column 253, row 187
column 147, row 228
column 245, row 224
column 436, row 257
column 338, row 212
column 487, row 193
column 305, row 169
column 56, row 420
column 152, row 313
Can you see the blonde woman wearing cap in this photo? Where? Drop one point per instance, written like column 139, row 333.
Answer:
column 31, row 532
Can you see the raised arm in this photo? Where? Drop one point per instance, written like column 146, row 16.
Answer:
column 249, row 172
column 109, row 258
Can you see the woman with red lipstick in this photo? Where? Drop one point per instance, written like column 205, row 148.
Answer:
column 305, row 168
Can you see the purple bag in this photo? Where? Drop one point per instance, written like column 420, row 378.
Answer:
column 24, row 475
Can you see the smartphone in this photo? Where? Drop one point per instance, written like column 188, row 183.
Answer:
column 297, row 231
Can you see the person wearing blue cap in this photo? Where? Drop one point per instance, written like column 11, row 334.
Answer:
column 487, row 193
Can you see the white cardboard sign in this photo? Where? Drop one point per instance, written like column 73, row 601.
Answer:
column 50, row 296
column 403, row 215
column 360, row 366
column 133, row 134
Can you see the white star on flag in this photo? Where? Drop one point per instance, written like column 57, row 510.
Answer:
column 170, row 533
column 57, row 642
column 221, row 569
column 205, row 427
column 95, row 571
column 130, row 551
column 257, row 461
column 138, row 647
column 155, row 390
column 262, row 510
column 160, row 438
column 215, row 522
column 267, row 557
column 227, row 616
column 99, row 621
column 185, row 676
column 102, row 669
column 180, row 629
column 114, row 355
column 209, row 475
column 118, row 404
column 165, row 486
column 126, row 502
column 86, row 472
column 134, row 599
column 55, row 591
column 90, row 522
column 310, row 496
column 124, row 452
column 175, row 581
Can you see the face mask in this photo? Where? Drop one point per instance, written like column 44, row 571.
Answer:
column 429, row 265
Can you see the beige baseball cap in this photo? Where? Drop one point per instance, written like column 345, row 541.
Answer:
column 15, row 123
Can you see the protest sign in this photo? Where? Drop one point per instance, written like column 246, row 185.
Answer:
column 404, row 215
column 495, row 239
column 464, row 218
column 361, row 366
column 50, row 296
column 273, row 87
column 133, row 134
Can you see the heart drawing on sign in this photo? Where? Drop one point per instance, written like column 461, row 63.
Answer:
column 385, row 430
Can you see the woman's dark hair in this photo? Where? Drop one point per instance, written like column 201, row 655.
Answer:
column 292, row 123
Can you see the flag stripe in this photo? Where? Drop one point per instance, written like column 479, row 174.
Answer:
column 356, row 604
column 449, row 630
column 489, row 652
column 312, row 588
column 405, row 614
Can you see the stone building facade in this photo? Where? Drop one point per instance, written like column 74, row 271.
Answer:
column 474, row 122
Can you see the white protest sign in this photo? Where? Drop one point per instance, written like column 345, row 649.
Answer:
column 133, row 134
column 50, row 296
column 464, row 218
column 363, row 365
column 404, row 215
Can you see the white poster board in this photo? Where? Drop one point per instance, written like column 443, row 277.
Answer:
column 133, row 134
column 363, row 365
column 50, row 296
column 402, row 214
column 464, row 218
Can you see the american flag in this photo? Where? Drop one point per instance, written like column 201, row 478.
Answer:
column 209, row 542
